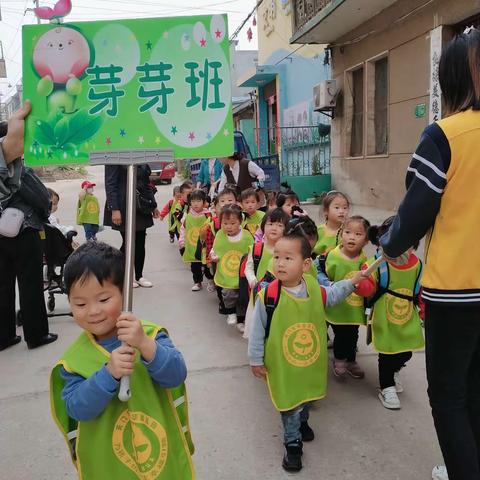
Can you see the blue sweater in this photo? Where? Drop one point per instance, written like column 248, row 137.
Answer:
column 204, row 175
column 87, row 398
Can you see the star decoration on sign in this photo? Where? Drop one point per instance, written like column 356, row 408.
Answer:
column 149, row 45
column 141, row 140
column 218, row 33
column 174, row 130
column 209, row 136
column 108, row 141
column 35, row 144
column 158, row 140
column 122, row 132
column 226, row 132
column 203, row 42
column 49, row 154
column 191, row 136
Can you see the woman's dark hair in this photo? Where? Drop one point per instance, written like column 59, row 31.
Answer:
column 249, row 192
column 237, row 156
column 358, row 219
column 282, row 197
column 227, row 191
column 295, row 232
column 328, row 198
column 459, row 72
column 376, row 232
column 197, row 194
column 274, row 216
column 231, row 210
column 103, row 261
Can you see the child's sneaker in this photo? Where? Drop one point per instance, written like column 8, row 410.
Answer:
column 172, row 239
column 240, row 327
column 439, row 473
column 143, row 282
column 196, row 287
column 398, row 384
column 354, row 370
column 292, row 458
column 389, row 398
column 339, row 367
column 232, row 319
column 307, row 433
column 135, row 284
column 211, row 288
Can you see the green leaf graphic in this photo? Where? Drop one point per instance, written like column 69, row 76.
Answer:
column 43, row 132
column 62, row 130
column 82, row 127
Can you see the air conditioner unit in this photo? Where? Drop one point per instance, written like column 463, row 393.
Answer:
column 325, row 95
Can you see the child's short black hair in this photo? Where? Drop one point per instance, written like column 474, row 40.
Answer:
column 102, row 261
column 186, row 186
column 53, row 193
column 227, row 191
column 197, row 194
column 295, row 232
column 282, row 197
column 231, row 210
column 249, row 192
column 275, row 215
column 301, row 219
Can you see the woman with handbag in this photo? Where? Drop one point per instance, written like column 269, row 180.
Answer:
column 115, row 211
column 24, row 208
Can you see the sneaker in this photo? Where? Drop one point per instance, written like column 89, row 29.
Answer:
column 211, row 288
column 143, row 282
column 292, row 458
column 232, row 319
column 196, row 287
column 135, row 284
column 439, row 473
column 339, row 367
column 172, row 239
column 307, row 433
column 240, row 327
column 354, row 370
column 398, row 383
column 389, row 398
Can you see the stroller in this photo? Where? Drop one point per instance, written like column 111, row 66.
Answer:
column 57, row 249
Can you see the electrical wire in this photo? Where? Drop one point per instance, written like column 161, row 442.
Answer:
column 239, row 28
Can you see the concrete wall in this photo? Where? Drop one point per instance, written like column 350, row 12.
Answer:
column 241, row 62
column 379, row 180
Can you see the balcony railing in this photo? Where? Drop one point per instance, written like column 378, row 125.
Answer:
column 305, row 10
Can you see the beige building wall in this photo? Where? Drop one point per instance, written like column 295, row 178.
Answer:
column 379, row 180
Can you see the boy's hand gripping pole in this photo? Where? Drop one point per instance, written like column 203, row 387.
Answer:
column 371, row 269
column 131, row 207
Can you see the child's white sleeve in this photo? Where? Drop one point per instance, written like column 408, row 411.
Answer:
column 256, row 339
column 250, row 271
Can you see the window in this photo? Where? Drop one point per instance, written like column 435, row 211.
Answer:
column 356, row 144
column 380, row 107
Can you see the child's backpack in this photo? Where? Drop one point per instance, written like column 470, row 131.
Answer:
column 244, row 287
column 272, row 297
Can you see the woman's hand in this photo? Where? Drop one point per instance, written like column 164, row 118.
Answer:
column 13, row 144
column 156, row 214
column 117, row 217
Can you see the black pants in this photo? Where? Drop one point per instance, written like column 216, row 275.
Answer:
column 140, row 237
column 198, row 271
column 174, row 235
column 21, row 259
column 222, row 309
column 452, row 335
column 388, row 365
column 345, row 342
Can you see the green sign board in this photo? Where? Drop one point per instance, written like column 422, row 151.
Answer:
column 127, row 85
column 420, row 110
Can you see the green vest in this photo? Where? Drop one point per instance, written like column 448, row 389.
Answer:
column 173, row 223
column 326, row 242
column 352, row 310
column 265, row 264
column 193, row 246
column 88, row 210
column 296, row 349
column 230, row 255
column 252, row 223
column 145, row 438
column 396, row 324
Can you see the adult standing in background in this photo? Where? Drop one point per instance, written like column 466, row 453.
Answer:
column 115, row 212
column 443, row 199
column 21, row 257
column 209, row 173
column 241, row 172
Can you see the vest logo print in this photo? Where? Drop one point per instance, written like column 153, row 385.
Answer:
column 301, row 344
column 231, row 263
column 353, row 300
column 92, row 207
column 399, row 310
column 141, row 444
column 192, row 235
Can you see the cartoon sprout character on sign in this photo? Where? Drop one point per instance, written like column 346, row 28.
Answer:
column 60, row 58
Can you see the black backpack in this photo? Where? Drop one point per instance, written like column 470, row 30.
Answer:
column 35, row 194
